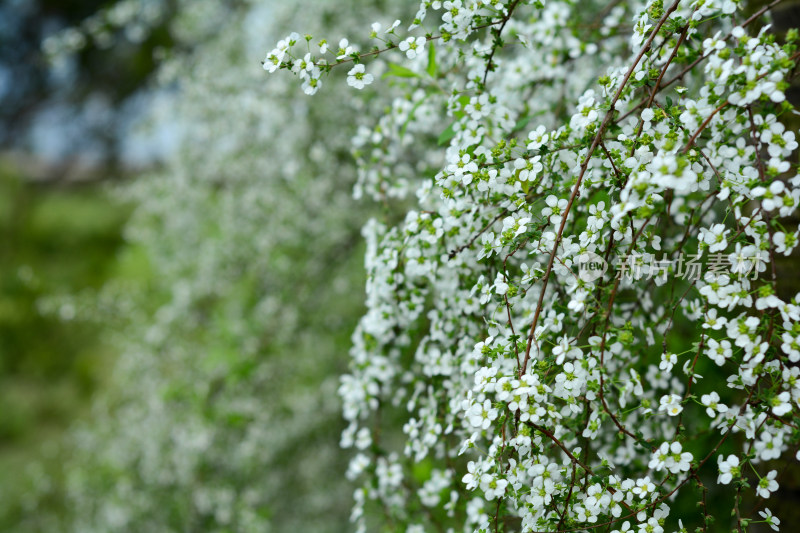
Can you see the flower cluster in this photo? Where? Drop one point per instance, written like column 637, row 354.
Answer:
column 531, row 134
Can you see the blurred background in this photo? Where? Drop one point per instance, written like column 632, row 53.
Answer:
column 180, row 267
column 65, row 136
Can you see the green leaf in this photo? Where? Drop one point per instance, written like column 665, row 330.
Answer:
column 447, row 134
column 463, row 100
column 432, row 60
column 400, row 71
column 521, row 123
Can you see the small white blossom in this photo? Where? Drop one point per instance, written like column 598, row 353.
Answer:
column 728, row 469
column 668, row 360
column 412, row 46
column 671, row 404
column 767, row 484
column 770, row 519
column 711, row 401
column 358, row 78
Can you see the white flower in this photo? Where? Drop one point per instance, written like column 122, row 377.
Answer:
column 563, row 349
column 781, row 404
column 572, row 377
column 538, row 137
column 527, row 169
column 668, row 360
column 660, row 457
column 542, row 488
column 471, row 477
column 345, row 50
column 412, row 46
column 769, row 445
column 715, row 237
column 711, row 401
column 586, row 112
column 784, row 242
column 492, row 487
column 768, row 517
column 481, row 415
column 719, row 352
column 274, row 60
column 791, row 346
column 767, row 484
column 643, row 487
column 597, row 212
column 671, row 456
column 357, row 465
column 500, row 285
column 312, row 83
column 728, row 469
column 671, row 403
column 358, row 78
column 554, row 208
column 681, row 461
column 305, row 67
column 713, row 321
column 463, row 169
column 771, row 195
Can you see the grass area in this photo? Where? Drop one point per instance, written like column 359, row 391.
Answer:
column 56, row 242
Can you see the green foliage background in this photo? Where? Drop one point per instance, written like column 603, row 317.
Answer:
column 56, row 240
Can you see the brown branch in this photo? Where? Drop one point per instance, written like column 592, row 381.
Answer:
column 584, row 167
column 469, row 243
column 571, row 456
column 495, row 46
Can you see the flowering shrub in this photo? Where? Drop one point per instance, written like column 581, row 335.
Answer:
column 579, row 320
